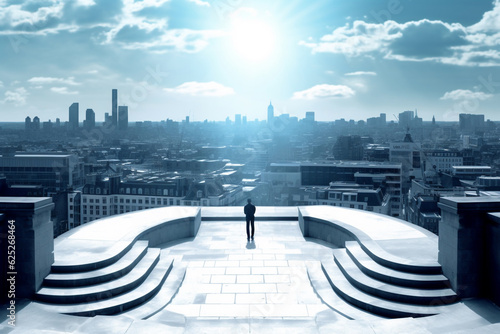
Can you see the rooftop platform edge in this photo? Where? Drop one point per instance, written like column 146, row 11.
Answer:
column 490, row 203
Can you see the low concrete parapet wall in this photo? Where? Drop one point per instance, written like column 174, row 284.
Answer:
column 325, row 230
column 172, row 230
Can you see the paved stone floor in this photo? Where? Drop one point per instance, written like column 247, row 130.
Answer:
column 228, row 277
column 235, row 286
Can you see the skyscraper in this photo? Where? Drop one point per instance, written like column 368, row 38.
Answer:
column 270, row 113
column 383, row 119
column 123, row 118
column 27, row 123
column 73, row 116
column 36, row 123
column 310, row 116
column 90, row 119
column 470, row 123
column 114, row 107
column 237, row 119
column 406, row 118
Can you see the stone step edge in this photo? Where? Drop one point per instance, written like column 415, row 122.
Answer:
column 158, row 302
column 121, row 302
column 116, row 270
column 398, row 294
column 105, row 290
column 386, row 259
column 372, row 268
column 372, row 304
column 58, row 267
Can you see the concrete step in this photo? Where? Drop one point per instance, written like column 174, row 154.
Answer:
column 323, row 289
column 104, row 290
column 390, row 291
column 116, row 270
column 164, row 296
column 373, row 304
column 142, row 293
column 91, row 254
column 371, row 268
column 389, row 260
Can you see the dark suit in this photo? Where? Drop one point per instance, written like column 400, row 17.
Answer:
column 250, row 217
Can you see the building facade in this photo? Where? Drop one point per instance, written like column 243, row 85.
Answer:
column 51, row 171
column 73, row 116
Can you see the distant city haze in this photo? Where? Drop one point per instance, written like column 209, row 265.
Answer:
column 211, row 60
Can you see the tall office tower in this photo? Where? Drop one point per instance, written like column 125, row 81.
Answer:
column 383, row 119
column 406, row 118
column 114, row 107
column 73, row 116
column 237, row 119
column 58, row 122
column 187, row 119
column 470, row 123
column 90, row 119
column 244, row 120
column 270, row 113
column 107, row 119
column 27, row 123
column 310, row 116
column 123, row 118
column 36, row 123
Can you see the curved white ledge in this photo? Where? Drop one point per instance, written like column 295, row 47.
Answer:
column 391, row 242
column 103, row 241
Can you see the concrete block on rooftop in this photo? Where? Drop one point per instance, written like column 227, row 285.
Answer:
column 34, row 236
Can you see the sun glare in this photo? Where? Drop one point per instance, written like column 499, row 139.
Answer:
column 253, row 39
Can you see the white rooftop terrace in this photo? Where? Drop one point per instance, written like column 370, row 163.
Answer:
column 215, row 281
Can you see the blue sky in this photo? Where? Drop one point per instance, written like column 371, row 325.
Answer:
column 210, row 59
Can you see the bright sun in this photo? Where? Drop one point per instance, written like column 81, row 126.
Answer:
column 253, row 39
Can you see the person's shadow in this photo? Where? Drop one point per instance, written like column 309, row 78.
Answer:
column 251, row 244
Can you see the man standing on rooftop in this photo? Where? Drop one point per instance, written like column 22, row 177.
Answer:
column 250, row 217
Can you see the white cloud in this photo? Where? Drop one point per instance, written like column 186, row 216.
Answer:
column 134, row 32
column 200, row 2
column 63, row 91
column 184, row 40
column 419, row 41
column 85, row 3
column 51, row 80
column 17, row 97
column 325, row 91
column 359, row 39
column 465, row 94
column 490, row 21
column 361, row 73
column 135, row 6
column 32, row 20
column 130, row 29
column 195, row 88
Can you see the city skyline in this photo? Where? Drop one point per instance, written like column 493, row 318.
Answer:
column 214, row 59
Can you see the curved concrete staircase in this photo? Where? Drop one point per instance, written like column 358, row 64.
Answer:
column 394, row 292
column 111, row 287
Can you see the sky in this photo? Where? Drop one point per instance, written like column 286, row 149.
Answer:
column 212, row 59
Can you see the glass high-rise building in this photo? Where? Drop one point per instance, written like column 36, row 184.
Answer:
column 114, row 107
column 123, row 118
column 73, row 116
column 90, row 119
column 270, row 113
